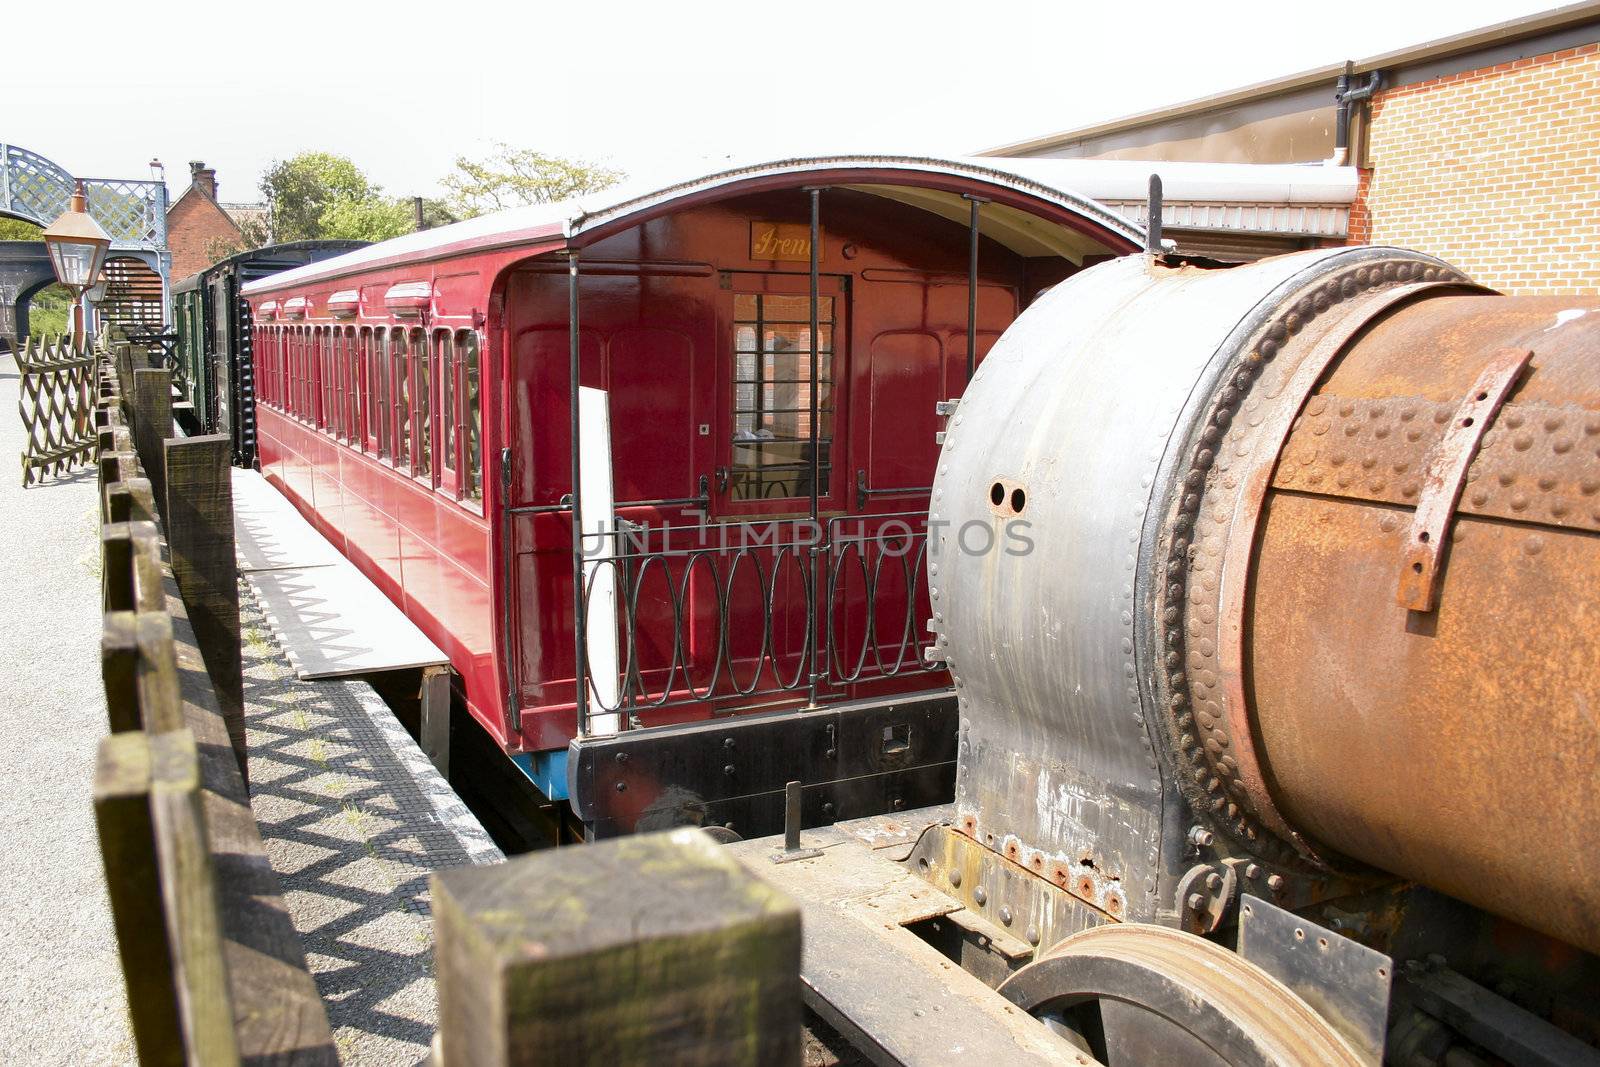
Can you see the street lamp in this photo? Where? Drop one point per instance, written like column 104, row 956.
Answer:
column 77, row 247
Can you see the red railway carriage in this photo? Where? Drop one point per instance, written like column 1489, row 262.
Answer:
column 743, row 506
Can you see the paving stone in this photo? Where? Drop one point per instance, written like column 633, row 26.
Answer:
column 355, row 818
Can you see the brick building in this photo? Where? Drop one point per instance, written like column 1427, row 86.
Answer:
column 200, row 228
column 1483, row 149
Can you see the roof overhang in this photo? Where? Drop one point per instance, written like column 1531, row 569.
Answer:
column 1022, row 211
column 1282, row 199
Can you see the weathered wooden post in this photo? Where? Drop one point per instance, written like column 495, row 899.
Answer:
column 656, row 949
column 199, row 514
column 152, row 425
column 163, row 898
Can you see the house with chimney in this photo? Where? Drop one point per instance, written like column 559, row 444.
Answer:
column 201, row 228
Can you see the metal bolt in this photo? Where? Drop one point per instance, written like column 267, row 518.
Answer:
column 955, row 879
column 622, row 787
column 727, row 742
column 898, row 803
column 1033, row 935
column 1275, row 883
column 830, row 754
column 980, row 895
column 1197, row 901
column 622, row 757
column 1005, row 915
column 1213, row 881
column 728, row 770
column 1199, row 836
column 827, row 809
column 1252, row 871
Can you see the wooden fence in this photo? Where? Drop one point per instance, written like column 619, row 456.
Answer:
column 56, row 401
column 659, row 949
column 215, row 972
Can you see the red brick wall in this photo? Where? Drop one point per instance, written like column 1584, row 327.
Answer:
column 1495, row 170
column 194, row 222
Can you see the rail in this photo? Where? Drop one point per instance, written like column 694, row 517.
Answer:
column 215, row 972
column 745, row 613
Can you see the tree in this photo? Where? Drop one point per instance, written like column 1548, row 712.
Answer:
column 50, row 311
column 300, row 189
column 370, row 218
column 322, row 195
column 513, row 177
column 17, row 230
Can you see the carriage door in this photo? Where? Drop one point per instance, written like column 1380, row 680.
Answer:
column 221, row 305
column 764, row 428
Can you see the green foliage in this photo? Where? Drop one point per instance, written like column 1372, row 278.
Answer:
column 512, row 177
column 50, row 311
column 300, row 189
column 17, row 230
column 220, row 248
column 370, row 218
column 322, row 195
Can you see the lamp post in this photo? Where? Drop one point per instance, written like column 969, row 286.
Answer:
column 77, row 247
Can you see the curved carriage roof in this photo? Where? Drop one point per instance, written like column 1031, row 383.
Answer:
column 273, row 258
column 925, row 182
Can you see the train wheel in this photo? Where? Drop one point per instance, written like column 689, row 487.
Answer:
column 1133, row 994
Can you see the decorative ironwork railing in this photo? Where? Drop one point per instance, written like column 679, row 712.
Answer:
column 133, row 213
column 734, row 614
column 55, row 401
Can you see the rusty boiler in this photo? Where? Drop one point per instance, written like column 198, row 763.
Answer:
column 1281, row 583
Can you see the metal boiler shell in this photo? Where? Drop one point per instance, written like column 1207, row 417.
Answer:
column 1077, row 405
column 1071, row 661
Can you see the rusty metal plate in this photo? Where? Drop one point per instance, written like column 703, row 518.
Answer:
column 1537, row 463
column 1345, row 981
column 1446, row 474
column 1458, row 749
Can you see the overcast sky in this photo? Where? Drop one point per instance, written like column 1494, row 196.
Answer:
column 651, row 88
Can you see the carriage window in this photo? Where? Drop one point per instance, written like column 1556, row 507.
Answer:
column 352, row 373
column 421, row 397
column 324, row 384
column 472, row 410
column 377, row 390
column 333, row 361
column 402, row 400
column 772, row 395
column 447, row 406
column 298, row 348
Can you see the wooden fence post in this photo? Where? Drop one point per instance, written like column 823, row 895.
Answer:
column 163, row 897
column 655, row 949
column 152, row 425
column 199, row 517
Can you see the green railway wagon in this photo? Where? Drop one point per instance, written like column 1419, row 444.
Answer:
column 214, row 338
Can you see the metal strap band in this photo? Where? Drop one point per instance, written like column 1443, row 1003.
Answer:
column 1423, row 551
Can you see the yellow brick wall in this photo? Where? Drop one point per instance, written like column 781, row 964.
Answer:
column 1495, row 170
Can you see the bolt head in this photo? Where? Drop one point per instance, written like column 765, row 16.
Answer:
column 1213, row 881
column 1197, row 901
column 1252, row 871
column 1275, row 883
column 1033, row 935
column 1005, row 915
column 955, row 879
column 1200, row 837
column 981, row 895
column 728, row 770
column 622, row 787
